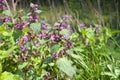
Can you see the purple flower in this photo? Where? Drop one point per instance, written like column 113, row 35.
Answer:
column 66, row 37
column 91, row 26
column 29, row 35
column 97, row 31
column 19, row 56
column 2, row 7
column 33, row 18
column 63, row 24
column 52, row 36
column 54, row 79
column 66, row 17
column 35, row 6
column 47, row 76
column 86, row 43
column 36, row 17
column 35, row 43
column 65, row 45
column 82, row 25
column 44, row 25
column 36, row 52
column 61, row 52
column 55, row 55
column 24, row 58
column 7, row 18
column 98, row 25
column 30, row 18
column 70, row 45
column 2, row 1
column 20, row 25
column 24, row 39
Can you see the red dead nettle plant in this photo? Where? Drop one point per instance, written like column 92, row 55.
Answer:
column 33, row 49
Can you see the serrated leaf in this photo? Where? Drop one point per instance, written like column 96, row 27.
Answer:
column 54, row 47
column 65, row 65
column 47, row 60
column 5, row 33
column 31, row 5
column 9, row 76
column 21, row 66
column 4, row 54
column 65, row 32
column 35, row 27
column 38, row 11
column 7, row 13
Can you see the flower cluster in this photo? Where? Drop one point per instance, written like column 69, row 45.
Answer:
column 2, row 5
column 20, row 25
column 33, row 17
column 47, row 76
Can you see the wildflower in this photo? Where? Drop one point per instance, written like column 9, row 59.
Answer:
column 20, row 25
column 47, row 76
column 30, row 18
column 66, row 37
column 66, row 17
column 82, row 25
column 24, row 39
column 55, row 55
column 24, row 58
column 33, row 18
column 35, row 7
column 19, row 56
column 36, row 52
column 44, row 25
column 7, row 18
column 98, row 25
column 91, row 26
column 54, row 37
column 65, row 45
column 35, row 43
column 54, row 79
column 2, row 1
column 2, row 7
column 36, row 17
column 61, row 52
column 29, row 35
column 62, row 25
column 97, row 31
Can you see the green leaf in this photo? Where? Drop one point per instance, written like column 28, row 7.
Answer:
column 17, row 34
column 38, row 11
column 31, row 5
column 54, row 47
column 0, row 68
column 35, row 27
column 108, row 74
column 65, row 65
column 2, row 28
column 4, row 54
column 21, row 66
column 7, row 13
column 25, row 30
column 47, row 60
column 65, row 32
column 9, row 76
column 5, row 33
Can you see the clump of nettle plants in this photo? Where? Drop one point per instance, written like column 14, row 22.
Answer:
column 32, row 49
